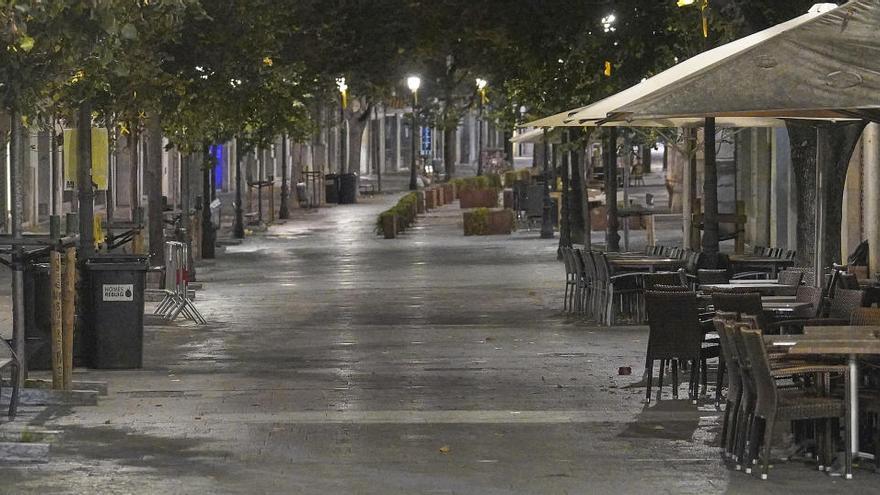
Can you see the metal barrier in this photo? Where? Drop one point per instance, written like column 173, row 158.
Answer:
column 176, row 300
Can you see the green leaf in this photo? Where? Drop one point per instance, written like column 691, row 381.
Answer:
column 26, row 43
column 129, row 32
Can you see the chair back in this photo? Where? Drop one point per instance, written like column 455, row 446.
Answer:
column 577, row 262
column 589, row 265
column 567, row 261
column 759, row 363
column 848, row 280
column 748, row 303
column 845, row 301
column 674, row 323
column 671, row 288
column 865, row 316
column 603, row 271
column 664, row 278
column 728, row 353
column 812, row 295
column 790, row 277
column 705, row 276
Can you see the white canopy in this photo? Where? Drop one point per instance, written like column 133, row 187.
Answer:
column 597, row 113
column 823, row 65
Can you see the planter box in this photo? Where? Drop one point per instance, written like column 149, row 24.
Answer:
column 448, row 193
column 481, row 198
column 389, row 226
column 507, row 194
column 420, row 203
column 501, row 222
column 493, row 222
column 430, row 199
column 441, row 195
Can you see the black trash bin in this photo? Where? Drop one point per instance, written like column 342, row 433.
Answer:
column 38, row 316
column 348, row 189
column 117, row 311
column 331, row 188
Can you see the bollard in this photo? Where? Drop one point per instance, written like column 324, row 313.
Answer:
column 57, row 342
column 67, row 315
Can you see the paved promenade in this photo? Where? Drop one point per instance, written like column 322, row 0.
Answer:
column 337, row 362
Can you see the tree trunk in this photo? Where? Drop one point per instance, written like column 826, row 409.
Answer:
column 134, row 194
column 578, row 190
column 565, row 227
column 238, row 228
column 449, row 152
column 612, row 240
column 841, row 140
column 710, row 197
column 208, row 233
column 153, row 185
column 355, row 139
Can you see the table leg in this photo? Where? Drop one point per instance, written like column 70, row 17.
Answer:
column 854, row 403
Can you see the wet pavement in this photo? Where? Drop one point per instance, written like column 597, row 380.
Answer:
column 339, row 362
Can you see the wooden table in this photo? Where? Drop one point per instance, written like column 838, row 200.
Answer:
column 761, row 261
column 754, row 282
column 849, row 341
column 765, row 289
column 647, row 263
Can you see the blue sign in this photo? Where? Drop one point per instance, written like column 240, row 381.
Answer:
column 426, row 140
column 217, row 151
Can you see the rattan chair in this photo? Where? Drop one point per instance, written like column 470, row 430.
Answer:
column 677, row 336
column 790, row 277
column 747, row 303
column 771, row 405
column 571, row 279
column 652, row 280
column 865, row 317
column 705, row 276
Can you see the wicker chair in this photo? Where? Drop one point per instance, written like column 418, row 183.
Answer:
column 620, row 290
column 734, row 381
column 652, row 280
column 571, row 279
column 677, row 336
column 790, row 277
column 771, row 405
column 848, row 281
column 747, row 303
column 712, row 276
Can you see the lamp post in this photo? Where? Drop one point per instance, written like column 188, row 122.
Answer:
column 343, row 102
column 481, row 89
column 413, row 83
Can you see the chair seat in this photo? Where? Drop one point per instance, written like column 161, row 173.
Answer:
column 802, row 406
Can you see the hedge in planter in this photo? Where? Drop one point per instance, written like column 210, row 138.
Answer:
column 478, row 192
column 404, row 213
column 483, row 221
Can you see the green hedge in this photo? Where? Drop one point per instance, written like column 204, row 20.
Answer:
column 488, row 181
column 405, row 210
column 476, row 221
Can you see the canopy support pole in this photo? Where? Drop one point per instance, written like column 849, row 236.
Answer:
column 871, row 143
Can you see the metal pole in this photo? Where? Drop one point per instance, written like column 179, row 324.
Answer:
column 710, row 196
column 261, row 156
column 612, row 238
column 627, row 148
column 207, row 221
column 284, row 211
column 819, row 240
column 18, row 262
column 378, row 148
column 413, row 184
column 546, row 217
column 480, row 139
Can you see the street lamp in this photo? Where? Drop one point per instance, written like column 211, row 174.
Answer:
column 481, row 89
column 413, row 83
column 343, row 99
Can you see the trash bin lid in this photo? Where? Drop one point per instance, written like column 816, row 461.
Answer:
column 116, row 262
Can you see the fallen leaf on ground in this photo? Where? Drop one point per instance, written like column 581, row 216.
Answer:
column 444, row 449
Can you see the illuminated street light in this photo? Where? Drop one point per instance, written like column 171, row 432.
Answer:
column 481, row 88
column 608, row 22
column 414, row 83
column 703, row 4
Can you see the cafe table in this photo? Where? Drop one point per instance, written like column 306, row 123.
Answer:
column 787, row 309
column 765, row 289
column 644, row 262
column 846, row 341
column 774, row 264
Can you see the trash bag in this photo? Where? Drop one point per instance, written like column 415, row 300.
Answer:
column 859, row 256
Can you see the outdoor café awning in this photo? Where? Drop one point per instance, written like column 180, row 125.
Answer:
column 823, row 65
column 597, row 113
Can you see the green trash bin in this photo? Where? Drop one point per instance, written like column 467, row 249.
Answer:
column 116, row 335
